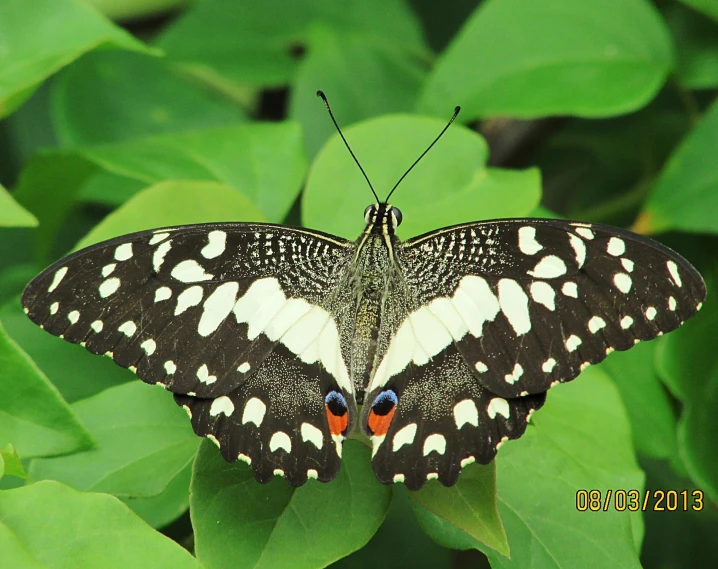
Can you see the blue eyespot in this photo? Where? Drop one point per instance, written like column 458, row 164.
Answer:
column 336, row 403
column 384, row 402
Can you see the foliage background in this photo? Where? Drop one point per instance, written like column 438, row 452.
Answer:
column 203, row 111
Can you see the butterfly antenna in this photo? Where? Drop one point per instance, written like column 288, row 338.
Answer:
column 331, row 114
column 456, row 113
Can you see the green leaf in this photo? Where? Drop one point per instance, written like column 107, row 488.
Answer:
column 33, row 415
column 708, row 7
column 10, row 463
column 400, row 542
column 41, row 37
column 13, row 214
column 696, row 39
column 531, row 59
column 390, row 83
column 237, row 43
column 14, row 553
column 238, row 522
column 61, row 527
column 161, row 510
column 144, row 440
column 581, row 440
column 464, row 515
column 111, row 96
column 687, row 363
column 264, row 162
column 450, row 185
column 685, row 196
column 174, row 203
column 649, row 408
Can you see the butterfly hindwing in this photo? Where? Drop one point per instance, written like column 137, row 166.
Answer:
column 288, row 418
column 439, row 418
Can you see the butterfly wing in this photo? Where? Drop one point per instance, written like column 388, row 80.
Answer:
column 233, row 318
column 520, row 304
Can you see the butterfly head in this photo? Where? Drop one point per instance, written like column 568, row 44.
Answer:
column 382, row 218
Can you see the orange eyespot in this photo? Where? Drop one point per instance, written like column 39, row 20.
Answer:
column 382, row 412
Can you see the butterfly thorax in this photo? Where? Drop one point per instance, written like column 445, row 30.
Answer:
column 371, row 275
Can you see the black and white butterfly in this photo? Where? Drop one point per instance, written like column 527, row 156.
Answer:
column 270, row 336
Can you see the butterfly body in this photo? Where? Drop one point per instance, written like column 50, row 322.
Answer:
column 270, row 336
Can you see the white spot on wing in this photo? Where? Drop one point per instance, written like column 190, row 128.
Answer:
column 404, row 436
column 109, row 287
column 158, row 258
column 217, row 241
column 57, row 278
column 570, row 288
column 616, row 247
column 312, row 473
column 579, row 249
column 398, row 478
column 170, row 367
column 97, row 326
column 626, row 322
column 548, row 365
column 543, row 293
column 515, row 305
column 223, row 405
column 244, row 368
column 671, row 303
column 549, row 267
column 527, row 241
column 158, row 238
column 163, row 293
column 280, row 440
column 73, row 316
column 188, row 298
column 123, row 252
column 481, row 367
column 584, row 232
column 254, row 412
column 468, row 460
column 149, row 346
column 498, row 406
column 190, row 271
column 651, row 313
column 573, row 342
column 217, row 307
column 514, row 376
column 466, row 412
column 675, row 275
column 107, row 270
column 312, row 434
column 596, row 323
column 204, row 376
column 627, row 264
column 128, row 328
column 54, row 307
column 623, row 282
column 435, row 442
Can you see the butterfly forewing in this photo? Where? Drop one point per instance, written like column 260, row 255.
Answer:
column 530, row 302
column 233, row 318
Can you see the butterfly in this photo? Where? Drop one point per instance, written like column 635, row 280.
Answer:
column 271, row 337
